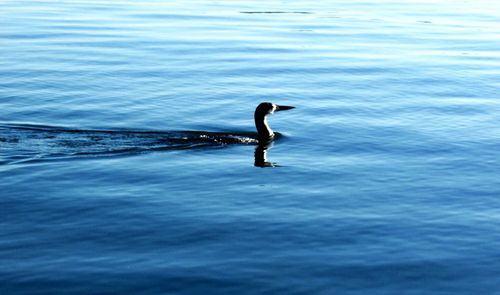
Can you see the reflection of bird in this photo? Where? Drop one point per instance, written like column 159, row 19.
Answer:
column 264, row 133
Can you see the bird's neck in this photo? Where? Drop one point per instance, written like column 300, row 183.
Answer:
column 264, row 131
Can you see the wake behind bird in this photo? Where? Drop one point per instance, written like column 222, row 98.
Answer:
column 26, row 142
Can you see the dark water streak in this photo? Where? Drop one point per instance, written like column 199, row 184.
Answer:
column 28, row 143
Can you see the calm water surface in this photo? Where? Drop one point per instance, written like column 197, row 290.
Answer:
column 388, row 179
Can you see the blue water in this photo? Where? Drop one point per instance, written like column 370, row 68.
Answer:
column 386, row 177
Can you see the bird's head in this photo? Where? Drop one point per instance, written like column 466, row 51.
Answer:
column 267, row 108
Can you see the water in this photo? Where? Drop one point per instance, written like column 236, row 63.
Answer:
column 387, row 175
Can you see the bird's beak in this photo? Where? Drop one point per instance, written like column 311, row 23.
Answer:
column 283, row 108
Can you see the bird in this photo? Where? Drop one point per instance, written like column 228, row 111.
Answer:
column 264, row 133
column 264, row 136
column 46, row 142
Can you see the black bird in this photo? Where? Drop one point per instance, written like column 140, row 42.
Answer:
column 25, row 142
column 264, row 133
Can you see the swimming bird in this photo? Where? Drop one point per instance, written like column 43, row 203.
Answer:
column 264, row 136
column 264, row 133
column 35, row 142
